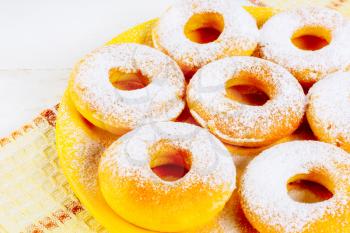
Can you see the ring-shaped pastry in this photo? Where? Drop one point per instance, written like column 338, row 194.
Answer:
column 117, row 110
column 241, row 124
column 139, row 195
column 264, row 194
column 328, row 110
column 179, row 32
column 308, row 66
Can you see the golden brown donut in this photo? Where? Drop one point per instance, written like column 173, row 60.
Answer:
column 197, row 32
column 312, row 64
column 328, row 110
column 264, row 195
column 159, row 97
column 237, row 123
column 140, row 196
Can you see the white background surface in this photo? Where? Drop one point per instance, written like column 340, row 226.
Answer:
column 40, row 40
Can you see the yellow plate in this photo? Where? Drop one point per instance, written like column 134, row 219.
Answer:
column 80, row 144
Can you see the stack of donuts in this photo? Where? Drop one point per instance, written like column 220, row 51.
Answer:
column 215, row 88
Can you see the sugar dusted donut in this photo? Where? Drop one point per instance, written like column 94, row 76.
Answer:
column 264, row 194
column 140, row 196
column 237, row 123
column 197, row 32
column 123, row 86
column 328, row 109
column 309, row 60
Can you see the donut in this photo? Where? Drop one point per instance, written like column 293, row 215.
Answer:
column 321, row 42
column 120, row 87
column 138, row 194
column 239, row 123
column 328, row 110
column 264, row 194
column 197, row 32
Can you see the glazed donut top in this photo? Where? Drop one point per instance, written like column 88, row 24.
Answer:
column 329, row 102
column 170, row 30
column 276, row 44
column 283, row 162
column 160, row 100
column 211, row 163
column 285, row 93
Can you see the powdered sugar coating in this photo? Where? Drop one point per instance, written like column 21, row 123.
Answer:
column 126, row 165
column 128, row 157
column 264, row 195
column 235, row 39
column 118, row 110
column 307, row 66
column 329, row 109
column 241, row 124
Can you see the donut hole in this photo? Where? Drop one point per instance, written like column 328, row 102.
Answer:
column 168, row 161
column 204, row 28
column 127, row 81
column 309, row 188
column 246, row 91
column 312, row 38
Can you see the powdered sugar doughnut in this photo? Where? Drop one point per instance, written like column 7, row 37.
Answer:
column 328, row 109
column 118, row 110
column 196, row 32
column 143, row 198
column 307, row 66
column 264, row 195
column 241, row 124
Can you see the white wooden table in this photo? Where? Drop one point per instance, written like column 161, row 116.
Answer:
column 41, row 40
